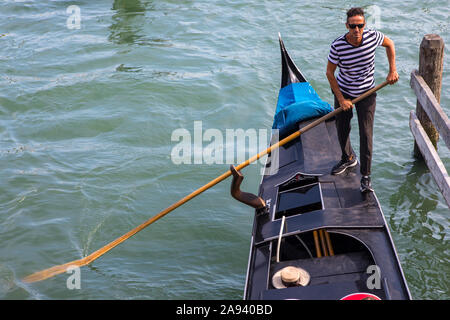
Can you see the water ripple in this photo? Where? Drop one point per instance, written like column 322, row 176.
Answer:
column 86, row 117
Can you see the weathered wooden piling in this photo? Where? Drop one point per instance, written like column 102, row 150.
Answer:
column 431, row 60
column 429, row 121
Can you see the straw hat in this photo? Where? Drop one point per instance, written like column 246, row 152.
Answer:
column 290, row 277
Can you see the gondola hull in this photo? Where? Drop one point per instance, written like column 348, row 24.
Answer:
column 355, row 253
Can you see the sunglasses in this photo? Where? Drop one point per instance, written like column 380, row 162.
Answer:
column 353, row 26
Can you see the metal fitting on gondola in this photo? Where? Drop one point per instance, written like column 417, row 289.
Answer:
column 244, row 197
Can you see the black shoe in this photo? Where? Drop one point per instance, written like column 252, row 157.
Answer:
column 342, row 165
column 366, row 186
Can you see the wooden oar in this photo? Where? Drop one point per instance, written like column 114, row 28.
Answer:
column 53, row 271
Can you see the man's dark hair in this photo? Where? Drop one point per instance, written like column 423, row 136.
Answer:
column 355, row 12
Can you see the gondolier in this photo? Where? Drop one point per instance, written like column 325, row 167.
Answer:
column 354, row 54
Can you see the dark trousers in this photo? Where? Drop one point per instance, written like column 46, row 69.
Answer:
column 365, row 110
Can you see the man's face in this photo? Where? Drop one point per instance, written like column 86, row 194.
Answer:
column 355, row 33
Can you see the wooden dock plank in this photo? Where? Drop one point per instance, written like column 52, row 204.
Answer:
column 431, row 106
column 431, row 157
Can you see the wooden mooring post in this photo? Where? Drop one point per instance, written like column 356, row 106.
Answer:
column 429, row 121
column 431, row 60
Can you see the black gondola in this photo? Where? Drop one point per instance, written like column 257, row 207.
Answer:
column 326, row 238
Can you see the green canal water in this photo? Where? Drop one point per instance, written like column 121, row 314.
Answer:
column 86, row 148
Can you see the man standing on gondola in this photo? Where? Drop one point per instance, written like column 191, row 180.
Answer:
column 354, row 54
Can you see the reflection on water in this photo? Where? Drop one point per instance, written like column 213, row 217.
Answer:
column 409, row 192
column 130, row 21
column 420, row 232
column 416, row 198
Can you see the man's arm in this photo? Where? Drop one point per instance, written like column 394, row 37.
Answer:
column 344, row 103
column 392, row 76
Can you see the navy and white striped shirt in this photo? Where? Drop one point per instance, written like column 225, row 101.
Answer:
column 356, row 64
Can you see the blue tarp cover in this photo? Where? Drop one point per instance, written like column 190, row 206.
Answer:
column 297, row 102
